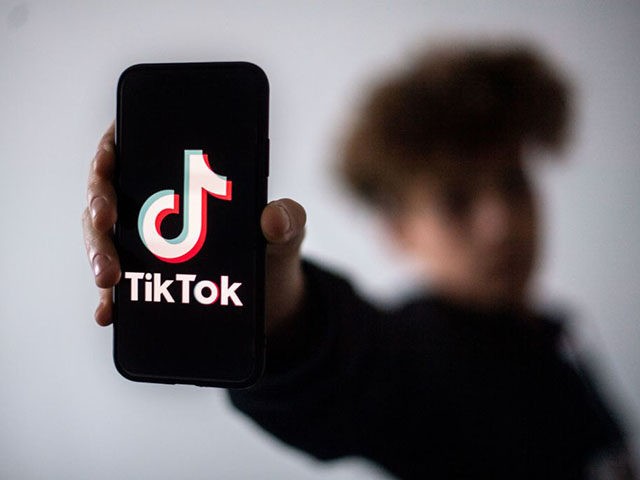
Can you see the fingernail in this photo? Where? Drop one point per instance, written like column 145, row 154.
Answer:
column 97, row 204
column 99, row 263
column 287, row 218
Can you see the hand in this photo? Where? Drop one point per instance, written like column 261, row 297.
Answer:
column 282, row 223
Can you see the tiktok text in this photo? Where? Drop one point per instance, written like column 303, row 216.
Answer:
column 205, row 292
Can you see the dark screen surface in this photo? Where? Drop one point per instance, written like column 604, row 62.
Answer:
column 192, row 150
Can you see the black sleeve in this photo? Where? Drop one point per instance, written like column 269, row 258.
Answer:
column 314, row 390
column 603, row 432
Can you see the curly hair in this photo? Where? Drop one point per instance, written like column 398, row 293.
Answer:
column 451, row 103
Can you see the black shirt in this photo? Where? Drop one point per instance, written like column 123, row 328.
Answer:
column 431, row 390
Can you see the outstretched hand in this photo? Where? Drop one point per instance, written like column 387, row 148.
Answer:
column 282, row 223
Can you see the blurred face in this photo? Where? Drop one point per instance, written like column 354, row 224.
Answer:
column 473, row 229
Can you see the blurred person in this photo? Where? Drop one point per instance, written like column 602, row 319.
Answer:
column 471, row 380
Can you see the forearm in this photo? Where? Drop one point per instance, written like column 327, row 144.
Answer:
column 307, row 396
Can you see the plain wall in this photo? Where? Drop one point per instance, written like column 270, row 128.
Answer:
column 64, row 410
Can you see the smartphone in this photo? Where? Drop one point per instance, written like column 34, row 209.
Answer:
column 191, row 178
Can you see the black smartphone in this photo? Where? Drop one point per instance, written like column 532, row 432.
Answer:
column 191, row 178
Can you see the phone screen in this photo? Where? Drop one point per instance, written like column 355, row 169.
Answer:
column 191, row 179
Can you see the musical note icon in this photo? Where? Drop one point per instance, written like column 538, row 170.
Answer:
column 200, row 181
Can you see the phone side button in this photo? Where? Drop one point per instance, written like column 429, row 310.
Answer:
column 267, row 158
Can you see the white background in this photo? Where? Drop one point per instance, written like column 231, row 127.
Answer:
column 66, row 413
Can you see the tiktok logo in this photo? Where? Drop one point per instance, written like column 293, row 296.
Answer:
column 199, row 181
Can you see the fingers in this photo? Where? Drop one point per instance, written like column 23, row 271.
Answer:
column 103, row 165
column 104, row 311
column 101, row 253
column 98, row 219
column 101, row 196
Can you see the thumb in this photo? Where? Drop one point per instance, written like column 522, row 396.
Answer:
column 283, row 223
